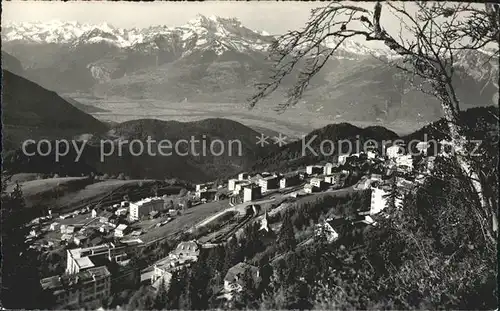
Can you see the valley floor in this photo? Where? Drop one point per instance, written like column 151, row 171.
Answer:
column 294, row 122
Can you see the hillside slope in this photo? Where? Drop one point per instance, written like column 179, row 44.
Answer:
column 316, row 146
column 225, row 157
column 30, row 111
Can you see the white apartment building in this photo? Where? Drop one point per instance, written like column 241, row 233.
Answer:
column 308, row 188
column 144, row 207
column 231, row 184
column 267, row 183
column 371, row 155
column 394, row 151
column 84, row 288
column 289, row 181
column 317, row 182
column 121, row 230
column 328, row 169
column 251, row 193
column 422, row 147
column 200, row 187
column 379, row 201
column 239, row 186
column 405, row 162
column 314, row 169
column 243, row 176
column 342, row 158
column 80, row 259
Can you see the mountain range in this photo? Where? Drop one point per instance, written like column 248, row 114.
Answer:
column 32, row 112
column 218, row 60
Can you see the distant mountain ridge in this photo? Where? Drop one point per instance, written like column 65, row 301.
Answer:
column 317, row 146
column 214, row 60
column 481, row 124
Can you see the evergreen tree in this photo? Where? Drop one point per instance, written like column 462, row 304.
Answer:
column 286, row 237
column 232, row 253
column 248, row 296
column 176, row 288
column 20, row 284
column 160, row 301
column 393, row 196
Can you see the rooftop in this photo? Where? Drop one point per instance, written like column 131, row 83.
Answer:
column 51, row 282
column 65, row 280
column 88, row 275
column 148, row 200
column 77, row 252
column 269, row 177
column 235, row 273
column 121, row 227
column 188, row 246
column 84, row 263
column 251, row 186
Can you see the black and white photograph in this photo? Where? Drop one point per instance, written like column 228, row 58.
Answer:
column 249, row 155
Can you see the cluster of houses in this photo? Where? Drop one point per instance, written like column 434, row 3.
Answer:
column 111, row 223
column 247, row 187
column 184, row 255
column 87, row 278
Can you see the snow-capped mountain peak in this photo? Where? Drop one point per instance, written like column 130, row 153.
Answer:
column 224, row 33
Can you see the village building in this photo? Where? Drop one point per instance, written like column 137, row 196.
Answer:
column 66, row 237
column 371, row 155
column 318, row 183
column 341, row 159
column 54, row 226
column 326, row 230
column 165, row 278
column 365, row 220
column 329, row 168
column 121, row 230
column 333, row 179
column 243, row 176
column 394, row 151
column 251, row 193
column 80, row 239
column 65, row 229
column 308, row 188
column 105, row 216
column 239, row 187
column 423, row 147
column 379, row 200
column 84, row 288
column 231, row 184
column 121, row 211
column 314, row 169
column 145, row 207
column 405, row 162
column 289, row 181
column 208, row 195
column 187, row 250
column 206, row 186
column 234, row 279
column 268, row 183
column 80, row 259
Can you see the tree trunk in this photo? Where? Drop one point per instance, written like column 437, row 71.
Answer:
column 449, row 104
